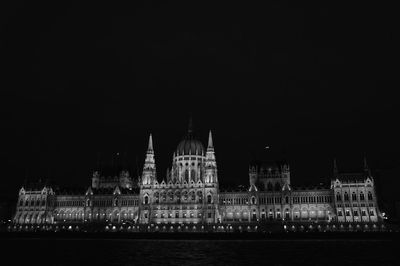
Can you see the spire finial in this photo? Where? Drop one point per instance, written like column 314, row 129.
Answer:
column 150, row 147
column 190, row 127
column 335, row 168
column 366, row 168
column 210, row 141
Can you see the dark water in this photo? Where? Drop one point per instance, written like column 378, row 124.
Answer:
column 199, row 252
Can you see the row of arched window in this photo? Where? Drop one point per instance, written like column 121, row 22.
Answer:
column 355, row 213
column 97, row 202
column 32, row 203
column 346, row 196
column 185, row 197
column 275, row 200
column 177, row 215
column 71, row 203
column 178, row 196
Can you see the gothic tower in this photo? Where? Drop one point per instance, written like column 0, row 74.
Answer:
column 210, row 163
column 149, row 168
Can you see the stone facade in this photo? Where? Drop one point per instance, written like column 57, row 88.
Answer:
column 190, row 193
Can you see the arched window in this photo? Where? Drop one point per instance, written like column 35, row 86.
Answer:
column 146, row 199
column 200, row 196
column 362, row 196
column 209, row 199
column 185, row 196
column 277, row 187
column 346, row 196
column 178, row 196
column 287, row 214
column 354, row 196
column 193, row 175
column 287, row 200
column 187, row 175
column 369, row 195
column 338, row 197
column 269, row 187
column 254, row 218
column 253, row 200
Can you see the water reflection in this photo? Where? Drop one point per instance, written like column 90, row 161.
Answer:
column 202, row 252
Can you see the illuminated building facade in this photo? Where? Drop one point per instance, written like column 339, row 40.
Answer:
column 189, row 194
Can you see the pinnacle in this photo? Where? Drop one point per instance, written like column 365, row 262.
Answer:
column 210, row 141
column 150, row 147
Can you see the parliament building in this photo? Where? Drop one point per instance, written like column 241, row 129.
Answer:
column 189, row 194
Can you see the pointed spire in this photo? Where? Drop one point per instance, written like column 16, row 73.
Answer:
column 335, row 168
column 150, row 147
column 210, row 141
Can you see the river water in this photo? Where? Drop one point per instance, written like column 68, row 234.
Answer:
column 198, row 252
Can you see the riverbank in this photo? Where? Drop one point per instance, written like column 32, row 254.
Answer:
column 206, row 235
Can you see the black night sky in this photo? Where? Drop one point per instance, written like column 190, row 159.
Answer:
column 311, row 82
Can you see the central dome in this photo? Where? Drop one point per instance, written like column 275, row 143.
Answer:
column 190, row 145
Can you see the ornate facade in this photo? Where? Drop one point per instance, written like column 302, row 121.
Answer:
column 190, row 194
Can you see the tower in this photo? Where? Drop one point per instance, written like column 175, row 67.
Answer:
column 285, row 173
column 253, row 177
column 210, row 162
column 149, row 168
column 95, row 179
